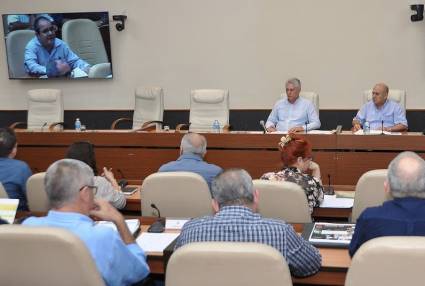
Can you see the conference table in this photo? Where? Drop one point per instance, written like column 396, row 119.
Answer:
column 343, row 157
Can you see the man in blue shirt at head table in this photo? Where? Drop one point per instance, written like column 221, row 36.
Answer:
column 381, row 112
column 69, row 187
column 13, row 173
column 47, row 55
column 293, row 113
column 405, row 214
column 193, row 148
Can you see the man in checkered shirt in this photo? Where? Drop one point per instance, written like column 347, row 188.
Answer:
column 235, row 202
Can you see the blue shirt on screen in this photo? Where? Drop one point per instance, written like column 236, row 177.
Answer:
column 189, row 162
column 14, row 175
column 391, row 113
column 286, row 115
column 398, row 217
column 37, row 58
column 118, row 264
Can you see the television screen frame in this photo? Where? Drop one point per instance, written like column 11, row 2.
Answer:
column 46, row 56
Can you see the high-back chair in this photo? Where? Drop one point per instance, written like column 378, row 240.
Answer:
column 282, row 200
column 396, row 95
column 84, row 38
column 176, row 194
column 102, row 70
column 206, row 106
column 16, row 42
column 227, row 263
column 369, row 192
column 41, row 256
column 310, row 95
column 390, row 261
column 3, row 194
column 36, row 193
column 148, row 108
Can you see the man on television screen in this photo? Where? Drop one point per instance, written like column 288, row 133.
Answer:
column 45, row 55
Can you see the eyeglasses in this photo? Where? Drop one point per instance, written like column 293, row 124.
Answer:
column 51, row 29
column 94, row 188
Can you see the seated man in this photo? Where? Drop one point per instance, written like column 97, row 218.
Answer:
column 47, row 55
column 381, row 111
column 293, row 113
column 193, row 148
column 69, row 187
column 405, row 214
column 13, row 173
column 235, row 202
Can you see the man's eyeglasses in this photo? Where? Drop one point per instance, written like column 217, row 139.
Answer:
column 51, row 29
column 94, row 188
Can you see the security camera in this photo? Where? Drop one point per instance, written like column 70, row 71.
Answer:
column 120, row 18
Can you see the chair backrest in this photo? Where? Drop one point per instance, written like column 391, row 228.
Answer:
column 390, row 261
column 45, row 106
column 36, row 194
column 44, row 256
column 3, row 194
column 282, row 200
column 310, row 95
column 396, row 95
column 84, row 38
column 207, row 105
column 227, row 263
column 102, row 70
column 176, row 194
column 369, row 192
column 149, row 105
column 16, row 42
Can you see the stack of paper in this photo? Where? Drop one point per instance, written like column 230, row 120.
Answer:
column 175, row 223
column 334, row 202
column 155, row 242
column 133, row 224
column 8, row 209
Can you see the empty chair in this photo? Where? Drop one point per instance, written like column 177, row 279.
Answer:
column 369, row 192
column 3, row 194
column 206, row 106
column 148, row 108
column 36, row 194
column 41, row 256
column 390, row 261
column 227, row 263
column 176, row 194
column 282, row 200
column 84, row 39
column 396, row 95
column 16, row 42
column 102, row 70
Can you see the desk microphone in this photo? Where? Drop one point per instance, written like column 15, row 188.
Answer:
column 329, row 189
column 158, row 226
column 382, row 127
column 263, row 126
column 306, row 127
column 44, row 125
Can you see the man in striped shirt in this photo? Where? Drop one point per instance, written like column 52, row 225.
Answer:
column 235, row 202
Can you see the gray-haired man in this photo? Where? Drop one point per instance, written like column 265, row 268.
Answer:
column 235, row 202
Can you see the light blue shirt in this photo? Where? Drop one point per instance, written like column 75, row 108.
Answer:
column 391, row 113
column 189, row 162
column 118, row 264
column 37, row 58
column 286, row 115
column 23, row 18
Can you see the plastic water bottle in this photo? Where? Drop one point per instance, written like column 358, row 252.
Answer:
column 366, row 128
column 216, row 126
column 77, row 124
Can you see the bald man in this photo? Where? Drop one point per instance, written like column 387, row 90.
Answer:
column 193, row 148
column 381, row 110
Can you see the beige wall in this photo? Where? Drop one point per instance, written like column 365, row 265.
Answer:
column 336, row 47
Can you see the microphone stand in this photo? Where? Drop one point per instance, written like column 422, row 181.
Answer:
column 158, row 226
column 382, row 127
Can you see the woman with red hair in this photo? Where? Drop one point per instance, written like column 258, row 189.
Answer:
column 295, row 153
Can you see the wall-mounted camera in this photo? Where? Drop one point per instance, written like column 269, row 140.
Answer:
column 419, row 9
column 119, row 18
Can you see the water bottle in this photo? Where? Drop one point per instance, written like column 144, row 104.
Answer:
column 366, row 128
column 77, row 124
column 216, row 126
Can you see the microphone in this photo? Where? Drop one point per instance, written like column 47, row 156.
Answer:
column 44, row 125
column 158, row 226
column 306, row 122
column 306, row 127
column 263, row 126
column 329, row 189
column 382, row 127
column 121, row 173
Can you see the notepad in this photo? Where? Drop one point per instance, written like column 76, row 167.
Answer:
column 8, row 209
column 171, row 223
column 132, row 224
column 334, row 202
column 155, row 242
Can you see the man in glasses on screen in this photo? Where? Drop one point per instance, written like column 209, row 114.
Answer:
column 45, row 55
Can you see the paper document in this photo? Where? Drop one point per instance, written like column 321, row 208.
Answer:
column 8, row 209
column 376, row 132
column 133, row 224
column 334, row 202
column 175, row 223
column 155, row 242
column 326, row 132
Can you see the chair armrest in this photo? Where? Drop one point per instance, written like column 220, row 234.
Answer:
column 53, row 125
column 13, row 125
column 115, row 123
column 149, row 125
column 182, row 127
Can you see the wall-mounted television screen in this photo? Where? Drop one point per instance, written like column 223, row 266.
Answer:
column 58, row 45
